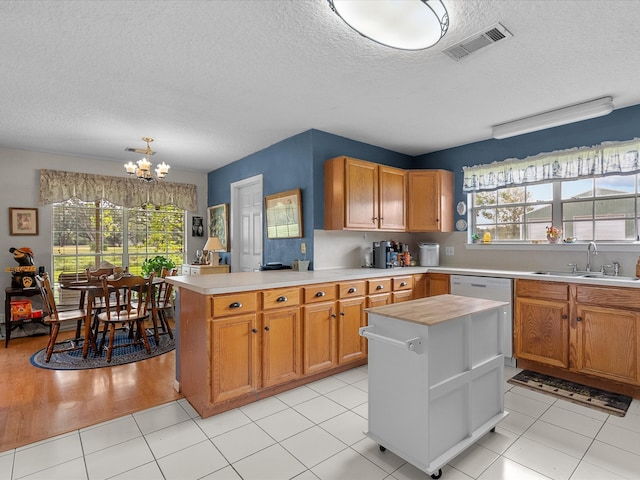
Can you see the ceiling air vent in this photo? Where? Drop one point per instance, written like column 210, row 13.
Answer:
column 476, row 42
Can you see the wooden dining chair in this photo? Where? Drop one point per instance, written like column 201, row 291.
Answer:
column 131, row 305
column 164, row 303
column 55, row 318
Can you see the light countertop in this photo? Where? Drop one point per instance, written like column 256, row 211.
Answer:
column 247, row 281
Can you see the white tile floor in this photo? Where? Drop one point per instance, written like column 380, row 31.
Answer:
column 316, row 432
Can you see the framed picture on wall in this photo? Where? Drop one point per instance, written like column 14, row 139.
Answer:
column 284, row 214
column 197, row 227
column 23, row 221
column 218, row 224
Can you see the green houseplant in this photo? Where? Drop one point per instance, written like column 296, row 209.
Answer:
column 155, row 264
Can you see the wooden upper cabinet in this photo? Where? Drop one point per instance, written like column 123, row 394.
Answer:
column 361, row 195
column 430, row 201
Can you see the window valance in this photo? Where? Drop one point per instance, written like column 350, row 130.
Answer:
column 58, row 186
column 607, row 158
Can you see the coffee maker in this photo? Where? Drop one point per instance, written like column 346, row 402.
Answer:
column 382, row 254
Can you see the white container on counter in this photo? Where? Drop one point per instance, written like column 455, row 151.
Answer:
column 429, row 254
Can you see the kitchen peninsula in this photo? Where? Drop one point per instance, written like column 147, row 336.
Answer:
column 249, row 335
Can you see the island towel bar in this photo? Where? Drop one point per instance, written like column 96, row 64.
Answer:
column 413, row 344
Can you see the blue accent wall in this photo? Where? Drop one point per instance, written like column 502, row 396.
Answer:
column 298, row 162
column 619, row 125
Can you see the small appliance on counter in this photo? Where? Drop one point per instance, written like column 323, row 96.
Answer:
column 382, row 254
column 429, row 254
column 274, row 266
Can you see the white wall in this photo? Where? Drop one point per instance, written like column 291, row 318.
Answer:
column 337, row 249
column 20, row 184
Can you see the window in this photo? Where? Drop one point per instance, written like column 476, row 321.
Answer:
column 86, row 234
column 602, row 208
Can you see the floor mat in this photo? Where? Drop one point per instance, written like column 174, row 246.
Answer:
column 612, row 403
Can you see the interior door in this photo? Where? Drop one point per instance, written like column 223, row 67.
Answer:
column 246, row 224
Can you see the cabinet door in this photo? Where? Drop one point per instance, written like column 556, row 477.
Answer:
column 234, row 360
column 318, row 337
column 430, row 201
column 361, row 192
column 607, row 343
column 351, row 346
column 439, row 284
column 393, row 198
column 281, row 346
column 541, row 331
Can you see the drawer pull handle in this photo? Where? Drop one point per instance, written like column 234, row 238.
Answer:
column 282, row 299
column 266, row 328
column 579, row 319
column 380, row 287
column 320, row 294
column 352, row 290
column 333, row 315
column 403, row 284
column 235, row 305
column 255, row 330
column 342, row 314
column 564, row 317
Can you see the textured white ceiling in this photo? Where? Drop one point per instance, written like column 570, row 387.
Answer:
column 213, row 81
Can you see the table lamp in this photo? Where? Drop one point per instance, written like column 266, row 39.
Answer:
column 212, row 247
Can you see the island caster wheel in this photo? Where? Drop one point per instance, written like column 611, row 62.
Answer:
column 437, row 475
column 382, row 449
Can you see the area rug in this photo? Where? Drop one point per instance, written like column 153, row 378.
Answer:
column 612, row 403
column 72, row 360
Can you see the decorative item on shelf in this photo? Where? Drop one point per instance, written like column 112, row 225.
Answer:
column 486, row 237
column 212, row 247
column 475, row 238
column 570, row 240
column 22, row 276
column 155, row 265
column 142, row 168
column 553, row 234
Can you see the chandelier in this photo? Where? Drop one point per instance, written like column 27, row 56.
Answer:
column 142, row 168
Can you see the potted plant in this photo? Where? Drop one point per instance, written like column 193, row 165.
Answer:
column 475, row 238
column 155, row 265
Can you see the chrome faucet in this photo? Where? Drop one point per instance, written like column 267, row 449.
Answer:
column 595, row 252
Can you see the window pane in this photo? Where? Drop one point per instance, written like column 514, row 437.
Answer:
column 616, row 185
column 485, row 216
column 539, row 193
column 540, row 213
column 486, row 198
column 577, row 189
column 507, row 196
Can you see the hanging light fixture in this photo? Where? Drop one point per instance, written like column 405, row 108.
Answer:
column 142, row 168
column 402, row 24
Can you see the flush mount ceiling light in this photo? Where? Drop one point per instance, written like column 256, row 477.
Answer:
column 142, row 168
column 402, row 24
column 554, row 118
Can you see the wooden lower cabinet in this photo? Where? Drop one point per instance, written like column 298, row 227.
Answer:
column 438, row 284
column 281, row 346
column 351, row 346
column 234, row 360
column 583, row 333
column 318, row 341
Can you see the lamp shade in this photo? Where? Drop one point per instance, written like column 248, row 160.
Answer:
column 213, row 245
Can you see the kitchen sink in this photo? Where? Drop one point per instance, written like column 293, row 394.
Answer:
column 586, row 275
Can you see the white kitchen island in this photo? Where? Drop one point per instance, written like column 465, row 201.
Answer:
column 435, row 376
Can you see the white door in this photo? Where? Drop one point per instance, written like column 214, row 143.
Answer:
column 246, row 224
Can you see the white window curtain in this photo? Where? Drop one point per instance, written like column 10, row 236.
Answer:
column 608, row 158
column 59, row 186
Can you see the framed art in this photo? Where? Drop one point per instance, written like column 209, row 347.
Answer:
column 284, row 214
column 23, row 221
column 218, row 222
column 197, row 227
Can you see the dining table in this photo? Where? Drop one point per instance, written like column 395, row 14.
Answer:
column 89, row 291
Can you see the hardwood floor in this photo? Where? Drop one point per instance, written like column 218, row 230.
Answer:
column 36, row 403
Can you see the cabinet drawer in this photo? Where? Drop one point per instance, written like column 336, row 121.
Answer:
column 544, row 290
column 319, row 293
column 609, row 296
column 351, row 289
column 379, row 285
column 402, row 283
column 234, row 304
column 280, row 297
column 194, row 271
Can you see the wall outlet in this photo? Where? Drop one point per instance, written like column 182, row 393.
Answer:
column 449, row 251
column 303, row 248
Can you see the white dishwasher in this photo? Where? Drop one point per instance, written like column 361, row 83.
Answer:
column 490, row 288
